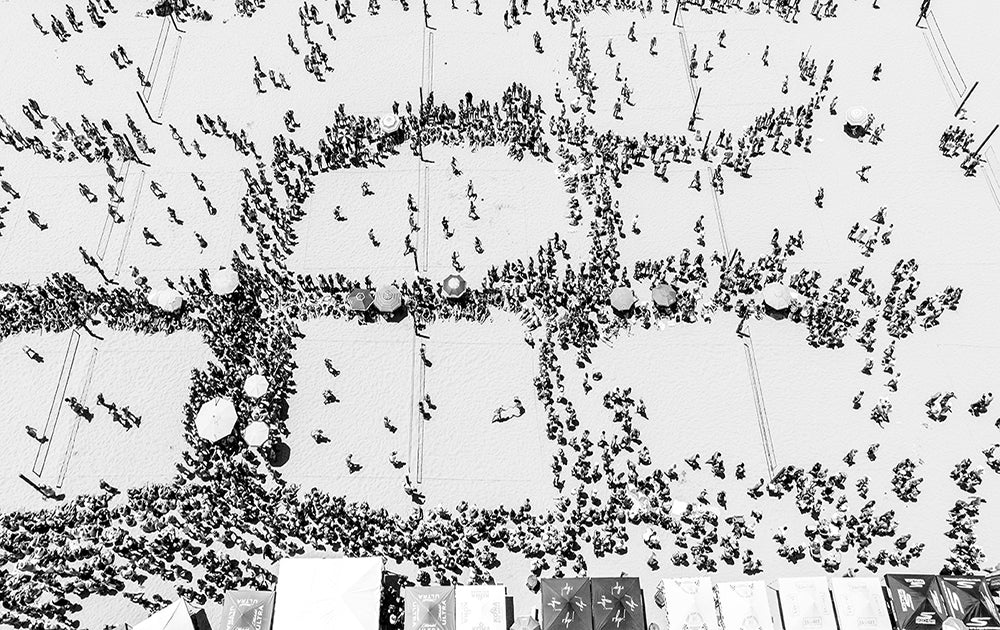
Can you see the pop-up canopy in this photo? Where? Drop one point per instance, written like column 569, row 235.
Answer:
column 328, row 594
column 859, row 604
column 805, row 604
column 176, row 616
column 689, row 603
column 744, row 605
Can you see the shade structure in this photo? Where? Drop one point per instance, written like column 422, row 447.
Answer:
column 167, row 299
column 256, row 433
column 743, row 605
column 247, row 610
column 968, row 600
column 805, row 604
column 482, row 607
column 430, row 608
column 389, row 123
column 525, row 622
column 860, row 604
column 176, row 616
column 360, row 300
column 566, row 604
column 622, row 299
column 216, row 419
column 328, row 594
column 689, row 603
column 664, row 295
column 255, row 385
column 617, row 604
column 776, row 296
column 388, row 299
column 454, row 286
column 912, row 597
column 857, row 116
column 224, row 281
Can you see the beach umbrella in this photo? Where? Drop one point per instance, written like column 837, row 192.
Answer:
column 256, row 433
column 224, row 281
column 216, row 419
column 776, row 296
column 664, row 295
column 454, row 286
column 389, row 123
column 360, row 300
column 255, row 386
column 622, row 299
column 388, row 299
column 857, row 116
column 168, row 299
column 525, row 623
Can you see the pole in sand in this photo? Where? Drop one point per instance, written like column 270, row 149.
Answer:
column 961, row 105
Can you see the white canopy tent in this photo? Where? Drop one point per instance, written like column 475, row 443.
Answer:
column 689, row 603
column 805, row 604
column 176, row 616
column 744, row 605
column 481, row 607
column 860, row 604
column 328, row 594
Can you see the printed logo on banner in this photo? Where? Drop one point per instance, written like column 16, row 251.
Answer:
column 905, row 600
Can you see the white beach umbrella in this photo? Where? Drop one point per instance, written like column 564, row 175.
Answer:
column 256, row 433
column 216, row 419
column 224, row 281
column 168, row 299
column 857, row 116
column 255, row 386
column 777, row 296
column 389, row 123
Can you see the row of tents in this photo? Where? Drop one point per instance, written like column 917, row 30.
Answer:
column 346, row 594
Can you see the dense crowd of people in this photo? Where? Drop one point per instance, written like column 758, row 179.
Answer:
column 230, row 502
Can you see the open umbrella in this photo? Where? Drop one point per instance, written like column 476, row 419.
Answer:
column 664, row 295
column 255, row 386
column 622, row 299
column 454, row 286
column 168, row 299
column 388, row 299
column 857, row 116
column 389, row 123
column 224, row 281
column 776, row 296
column 216, row 419
column 256, row 433
column 360, row 300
